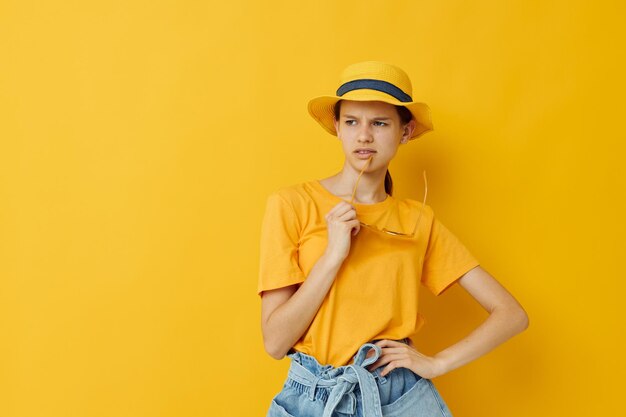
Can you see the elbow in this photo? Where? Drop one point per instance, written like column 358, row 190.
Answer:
column 525, row 321
column 271, row 342
column 273, row 346
column 274, row 351
column 514, row 316
column 520, row 319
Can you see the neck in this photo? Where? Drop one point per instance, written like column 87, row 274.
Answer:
column 370, row 187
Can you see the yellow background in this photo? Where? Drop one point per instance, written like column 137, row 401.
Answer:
column 139, row 139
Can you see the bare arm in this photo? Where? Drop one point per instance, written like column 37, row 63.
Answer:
column 506, row 319
column 287, row 312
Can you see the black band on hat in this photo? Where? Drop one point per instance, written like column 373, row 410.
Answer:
column 377, row 85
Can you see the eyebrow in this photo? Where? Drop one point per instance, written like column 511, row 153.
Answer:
column 373, row 118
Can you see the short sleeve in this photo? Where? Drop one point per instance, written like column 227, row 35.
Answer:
column 446, row 259
column 279, row 265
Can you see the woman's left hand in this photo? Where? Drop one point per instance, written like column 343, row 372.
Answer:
column 399, row 355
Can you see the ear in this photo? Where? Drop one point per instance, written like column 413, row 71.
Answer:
column 336, row 122
column 407, row 131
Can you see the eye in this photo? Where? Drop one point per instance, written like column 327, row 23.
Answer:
column 379, row 123
column 350, row 122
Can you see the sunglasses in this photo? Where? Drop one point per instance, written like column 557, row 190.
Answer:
column 385, row 230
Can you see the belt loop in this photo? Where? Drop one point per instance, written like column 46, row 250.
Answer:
column 382, row 379
column 313, row 387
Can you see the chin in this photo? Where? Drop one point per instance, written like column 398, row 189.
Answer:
column 359, row 164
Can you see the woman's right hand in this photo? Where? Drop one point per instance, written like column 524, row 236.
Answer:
column 342, row 224
column 287, row 312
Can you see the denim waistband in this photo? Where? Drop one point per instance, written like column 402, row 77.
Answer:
column 341, row 380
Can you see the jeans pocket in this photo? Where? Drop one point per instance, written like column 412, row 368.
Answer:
column 292, row 403
column 277, row 410
column 419, row 400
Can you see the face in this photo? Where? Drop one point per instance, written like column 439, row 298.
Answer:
column 371, row 128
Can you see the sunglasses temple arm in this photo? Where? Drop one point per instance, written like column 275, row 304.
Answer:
column 359, row 177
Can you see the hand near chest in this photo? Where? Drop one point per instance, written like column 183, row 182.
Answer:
column 341, row 224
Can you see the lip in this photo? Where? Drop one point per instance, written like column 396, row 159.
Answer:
column 367, row 153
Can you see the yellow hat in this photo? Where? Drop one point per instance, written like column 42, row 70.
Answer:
column 372, row 81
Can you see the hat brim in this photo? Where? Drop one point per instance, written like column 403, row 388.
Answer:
column 322, row 110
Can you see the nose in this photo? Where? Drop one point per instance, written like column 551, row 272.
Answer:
column 365, row 133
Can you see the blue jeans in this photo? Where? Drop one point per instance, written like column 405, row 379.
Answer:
column 314, row 390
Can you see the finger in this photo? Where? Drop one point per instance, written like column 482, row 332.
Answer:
column 384, row 360
column 341, row 213
column 400, row 363
column 355, row 225
column 348, row 215
column 372, row 367
column 342, row 207
column 387, row 358
column 378, row 364
column 394, row 350
column 388, row 369
column 332, row 210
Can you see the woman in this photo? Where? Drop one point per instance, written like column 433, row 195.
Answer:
column 342, row 262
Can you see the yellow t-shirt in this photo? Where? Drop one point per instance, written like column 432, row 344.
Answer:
column 375, row 292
